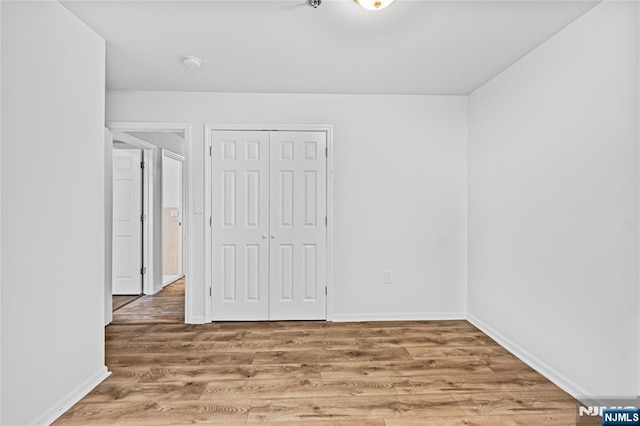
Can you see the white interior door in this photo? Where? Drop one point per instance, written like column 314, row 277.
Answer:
column 269, row 234
column 298, row 231
column 127, row 226
column 172, row 215
column 240, row 225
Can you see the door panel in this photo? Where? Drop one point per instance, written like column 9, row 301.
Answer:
column 127, row 228
column 268, row 225
column 298, row 228
column 240, row 225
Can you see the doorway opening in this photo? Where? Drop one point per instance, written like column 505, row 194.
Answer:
column 172, row 217
column 161, row 225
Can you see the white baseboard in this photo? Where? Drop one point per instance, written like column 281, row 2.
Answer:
column 401, row 316
column 69, row 400
column 154, row 290
column 194, row 320
column 532, row 361
column 170, row 279
column 108, row 317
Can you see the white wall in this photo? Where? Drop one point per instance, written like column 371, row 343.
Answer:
column 553, row 205
column 52, row 214
column 400, row 192
column 171, row 182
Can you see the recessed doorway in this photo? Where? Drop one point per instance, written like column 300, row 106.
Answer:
column 164, row 223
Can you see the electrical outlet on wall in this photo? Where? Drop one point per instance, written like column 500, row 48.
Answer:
column 386, row 277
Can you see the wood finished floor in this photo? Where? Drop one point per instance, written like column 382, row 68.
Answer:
column 165, row 307
column 120, row 301
column 317, row 373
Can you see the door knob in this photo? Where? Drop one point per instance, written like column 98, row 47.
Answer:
column 264, row 236
column 273, row 236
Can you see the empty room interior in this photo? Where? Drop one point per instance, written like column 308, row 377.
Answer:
column 403, row 212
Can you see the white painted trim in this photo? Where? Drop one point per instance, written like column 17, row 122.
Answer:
column 1, row 286
column 208, row 128
column 198, row 320
column 638, row 235
column 171, row 154
column 108, row 226
column 208, row 211
column 66, row 402
column 270, row 127
column 401, row 316
column 171, row 280
column 532, row 361
column 147, row 126
column 330, row 183
column 188, row 217
column 147, row 226
column 133, row 141
column 467, row 203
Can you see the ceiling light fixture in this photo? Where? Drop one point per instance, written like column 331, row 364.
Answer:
column 315, row 3
column 191, row 62
column 374, row 4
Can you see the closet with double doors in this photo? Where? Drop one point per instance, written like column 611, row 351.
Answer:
column 268, row 225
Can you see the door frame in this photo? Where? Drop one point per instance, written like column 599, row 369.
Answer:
column 108, row 226
column 208, row 208
column 185, row 128
column 170, row 154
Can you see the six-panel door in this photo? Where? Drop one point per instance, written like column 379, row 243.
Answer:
column 298, row 229
column 240, row 225
column 268, row 225
column 127, row 228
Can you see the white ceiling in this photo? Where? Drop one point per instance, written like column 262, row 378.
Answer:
column 411, row 47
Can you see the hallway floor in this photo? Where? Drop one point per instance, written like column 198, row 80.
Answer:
column 164, row 307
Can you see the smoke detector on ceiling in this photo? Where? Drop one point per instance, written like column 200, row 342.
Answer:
column 191, row 62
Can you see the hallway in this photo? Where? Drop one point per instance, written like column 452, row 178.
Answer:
column 165, row 307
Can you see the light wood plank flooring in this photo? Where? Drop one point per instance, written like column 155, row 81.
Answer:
column 120, row 301
column 317, row 373
column 165, row 307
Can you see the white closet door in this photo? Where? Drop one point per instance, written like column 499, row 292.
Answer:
column 127, row 228
column 240, row 225
column 298, row 232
